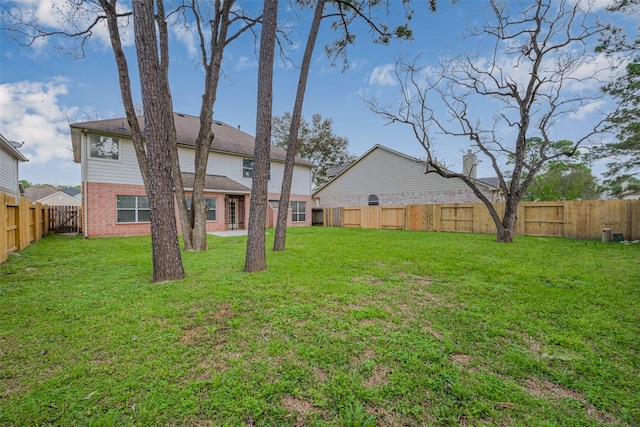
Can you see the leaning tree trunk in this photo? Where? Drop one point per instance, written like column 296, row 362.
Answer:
column 167, row 261
column 292, row 147
column 256, row 258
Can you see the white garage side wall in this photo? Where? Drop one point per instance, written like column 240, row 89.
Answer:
column 395, row 180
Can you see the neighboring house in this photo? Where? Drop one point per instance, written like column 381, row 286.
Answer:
column 114, row 197
column 630, row 190
column 382, row 176
column 61, row 198
column 10, row 157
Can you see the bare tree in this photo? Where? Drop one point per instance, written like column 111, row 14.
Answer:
column 153, row 57
column 535, row 77
column 256, row 254
column 223, row 17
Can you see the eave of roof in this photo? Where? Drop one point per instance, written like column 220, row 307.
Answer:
column 12, row 150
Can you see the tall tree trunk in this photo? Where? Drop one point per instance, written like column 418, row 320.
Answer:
column 256, row 259
column 167, row 261
column 292, row 147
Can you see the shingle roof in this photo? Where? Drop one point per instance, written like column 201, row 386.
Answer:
column 215, row 183
column 226, row 138
column 71, row 191
column 36, row 193
column 493, row 181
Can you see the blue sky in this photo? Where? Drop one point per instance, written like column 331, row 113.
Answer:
column 43, row 89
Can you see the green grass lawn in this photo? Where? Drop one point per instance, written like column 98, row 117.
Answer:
column 347, row 327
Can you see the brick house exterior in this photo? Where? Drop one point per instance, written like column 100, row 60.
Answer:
column 114, row 198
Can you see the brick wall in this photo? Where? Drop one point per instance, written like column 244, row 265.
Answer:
column 406, row 198
column 100, row 202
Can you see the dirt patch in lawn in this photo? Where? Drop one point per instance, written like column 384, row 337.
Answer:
column 544, row 388
column 378, row 377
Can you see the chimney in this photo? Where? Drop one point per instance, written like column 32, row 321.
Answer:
column 469, row 164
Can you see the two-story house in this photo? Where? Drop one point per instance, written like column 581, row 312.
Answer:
column 9, row 159
column 113, row 194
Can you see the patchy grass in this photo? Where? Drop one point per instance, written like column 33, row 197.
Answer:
column 347, row 327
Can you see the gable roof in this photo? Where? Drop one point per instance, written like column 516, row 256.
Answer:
column 484, row 181
column 227, row 139
column 6, row 145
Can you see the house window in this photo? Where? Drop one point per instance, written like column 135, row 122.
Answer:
column 247, row 168
column 373, row 200
column 104, row 147
column 299, row 211
column 211, row 203
column 133, row 209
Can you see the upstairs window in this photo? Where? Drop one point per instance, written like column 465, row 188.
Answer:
column 373, row 200
column 247, row 168
column 104, row 147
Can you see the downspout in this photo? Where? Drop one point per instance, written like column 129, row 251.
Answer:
column 83, row 178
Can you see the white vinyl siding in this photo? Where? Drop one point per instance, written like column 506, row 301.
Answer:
column 126, row 170
column 8, row 174
column 395, row 179
column 384, row 172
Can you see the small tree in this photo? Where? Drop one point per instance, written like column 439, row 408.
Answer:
column 563, row 181
column 537, row 62
column 317, row 143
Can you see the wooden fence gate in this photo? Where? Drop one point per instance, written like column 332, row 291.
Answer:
column 65, row 219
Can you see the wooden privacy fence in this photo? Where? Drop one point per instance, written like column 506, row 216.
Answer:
column 23, row 222
column 583, row 219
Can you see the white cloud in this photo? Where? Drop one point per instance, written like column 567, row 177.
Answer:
column 593, row 4
column 186, row 37
column 31, row 113
column 586, row 109
column 383, row 75
column 245, row 62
